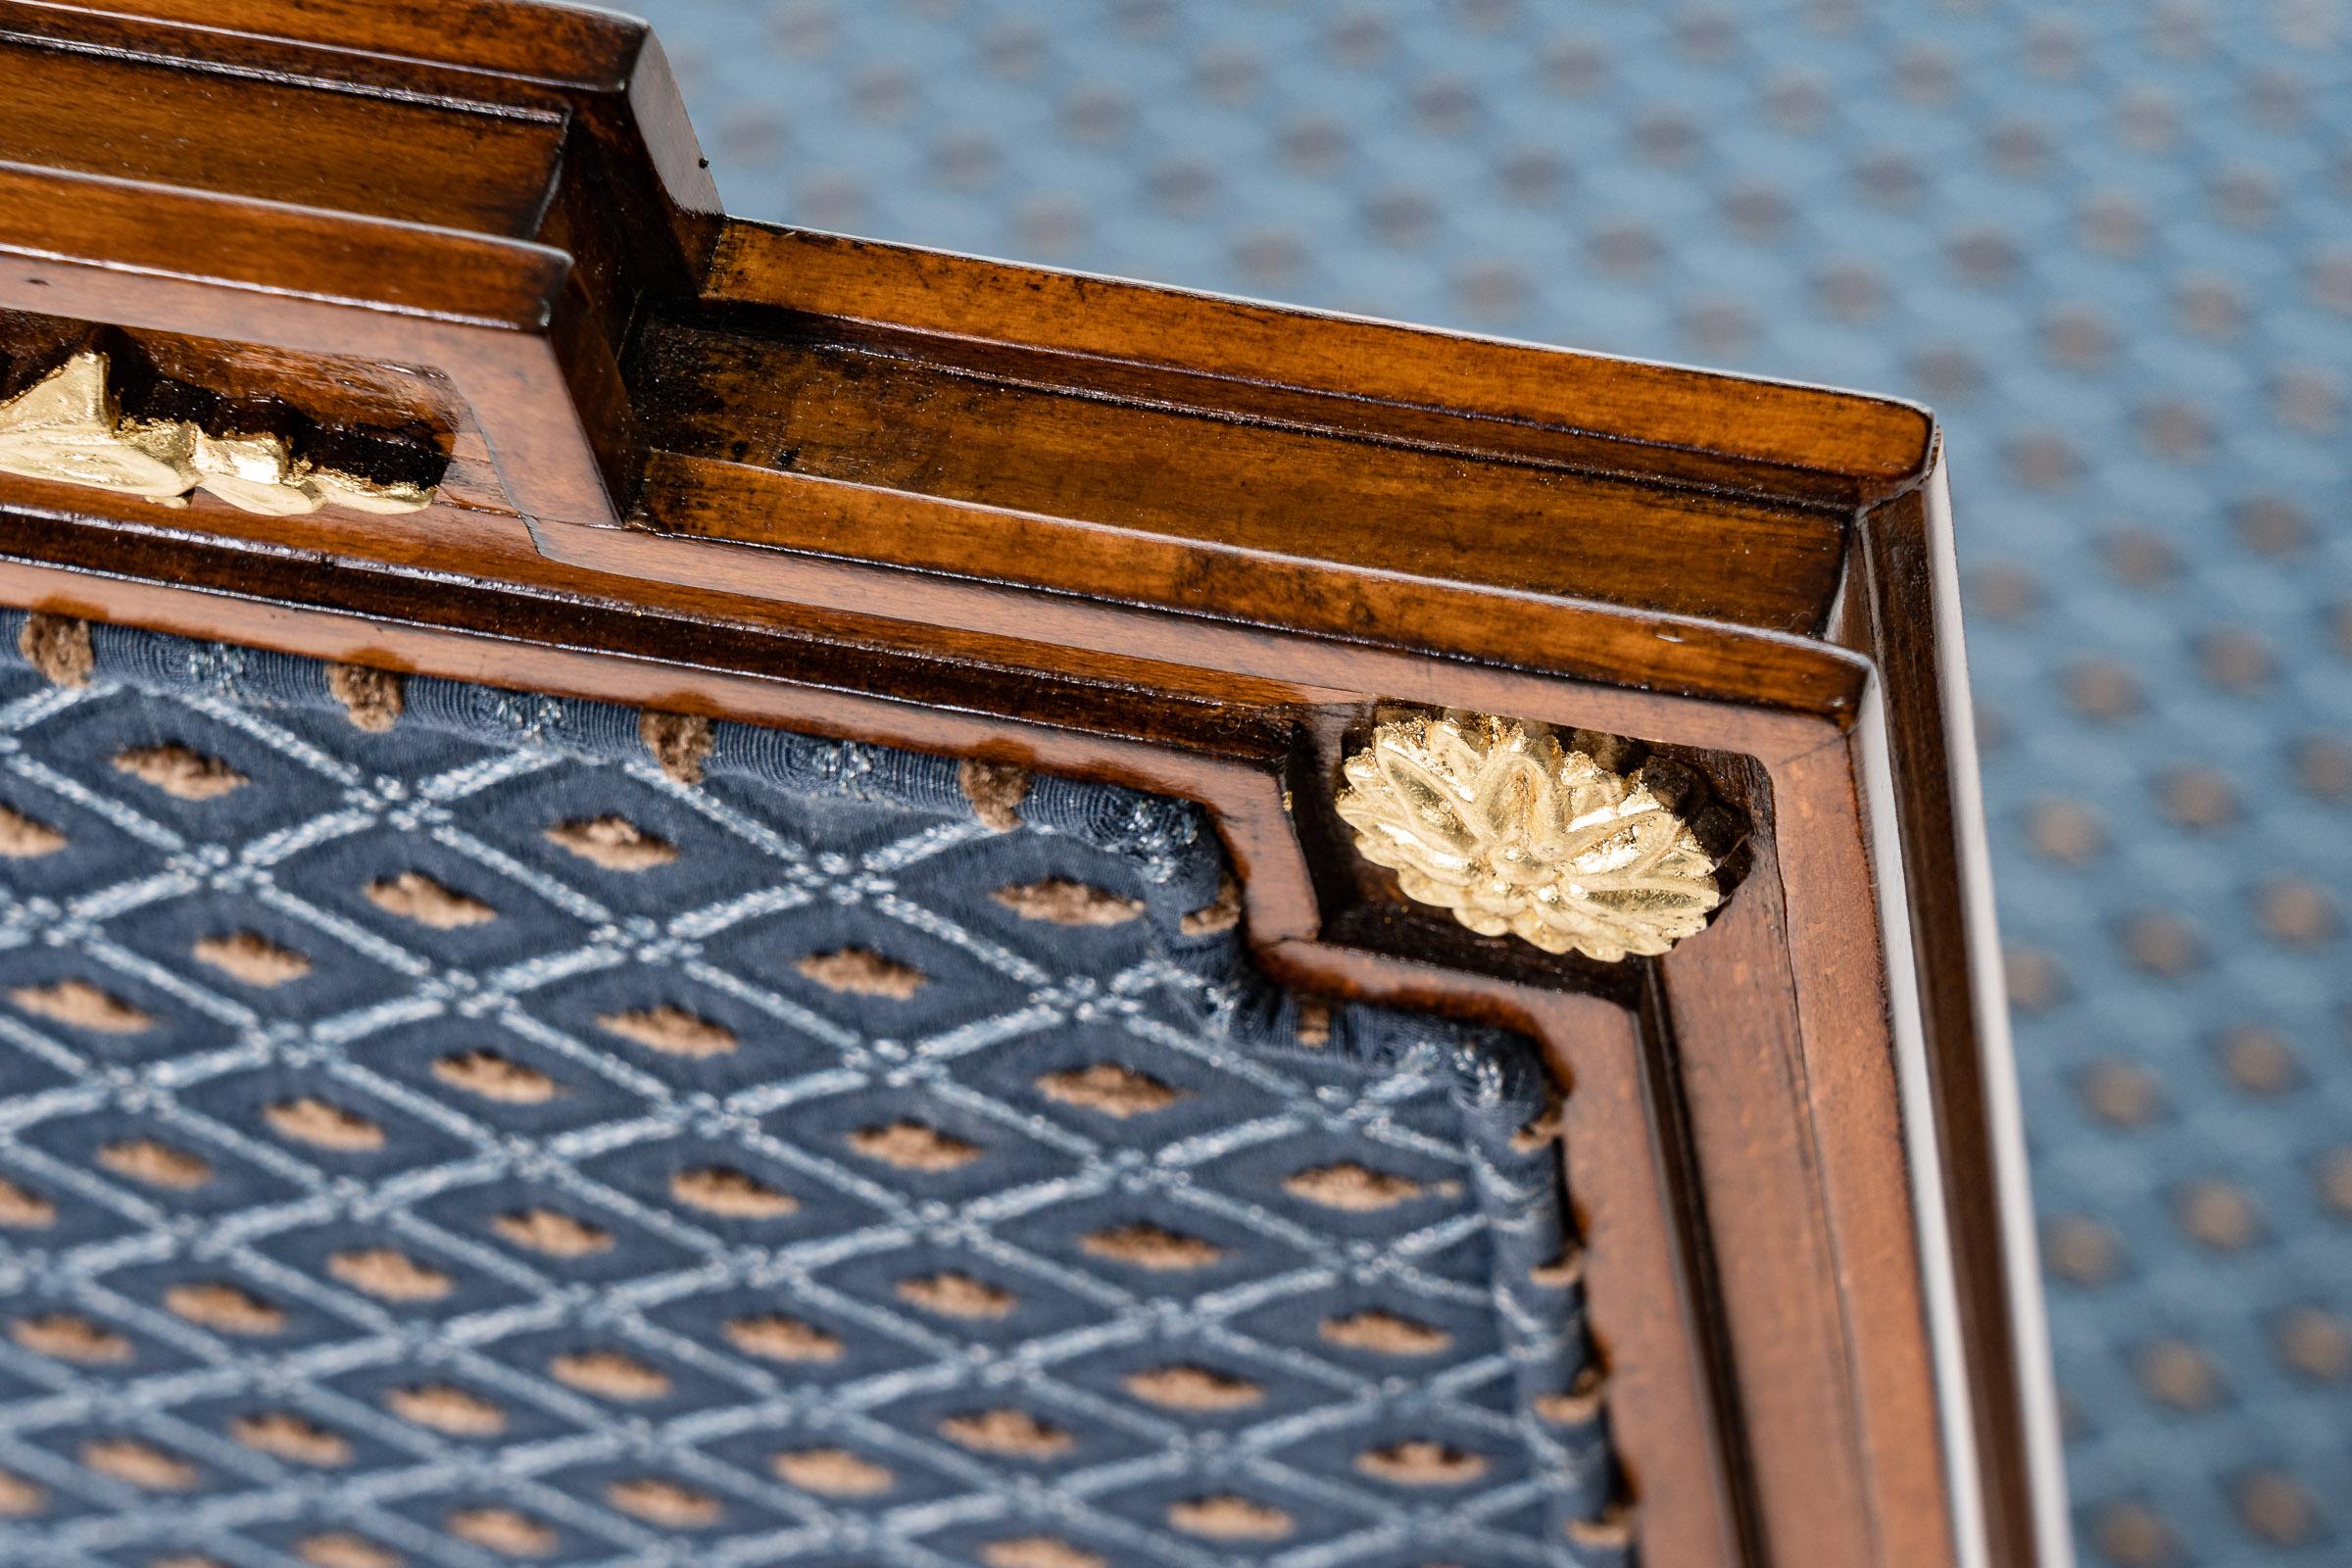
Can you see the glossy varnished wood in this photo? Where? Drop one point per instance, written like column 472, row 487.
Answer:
column 1134, row 535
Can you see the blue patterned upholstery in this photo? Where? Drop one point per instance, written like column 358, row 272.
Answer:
column 463, row 1134
column 2110, row 241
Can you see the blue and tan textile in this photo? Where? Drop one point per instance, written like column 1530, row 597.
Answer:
column 441, row 1125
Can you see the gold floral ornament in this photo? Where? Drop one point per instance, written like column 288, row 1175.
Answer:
column 1502, row 825
column 70, row 428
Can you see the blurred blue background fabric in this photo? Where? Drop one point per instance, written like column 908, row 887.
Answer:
column 2110, row 243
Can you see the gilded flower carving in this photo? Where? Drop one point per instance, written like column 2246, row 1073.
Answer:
column 1502, row 825
column 69, row 429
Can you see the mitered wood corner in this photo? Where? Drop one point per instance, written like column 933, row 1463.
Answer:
column 1187, row 543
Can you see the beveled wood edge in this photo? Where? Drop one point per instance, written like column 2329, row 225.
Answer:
column 560, row 44
column 1877, row 445
column 1680, row 655
column 1907, row 605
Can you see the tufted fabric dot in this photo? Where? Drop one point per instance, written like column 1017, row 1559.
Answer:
column 730, row 1195
column 389, row 1274
column 1108, row 1088
column 2140, row 558
column 228, row 1308
column 339, row 1548
column 1221, row 914
column 2065, row 831
column 1226, row 1517
column 1193, row 1388
column 508, row 1532
column 2081, row 1249
column 2333, row 1179
column 2323, row 767
column 372, row 697
column 680, row 743
column 2178, row 1374
column 1060, row 901
column 187, row 1559
column 81, row 1005
column 1012, row 1434
column 21, row 838
column 1545, row 1128
column 139, row 1464
column 2199, row 798
column 2163, row 943
column 21, row 1498
column 860, row 972
column 69, row 1337
column 156, row 1164
column 1039, row 1551
column 2258, row 1061
column 314, row 1121
column 1385, row 1334
column 552, row 1232
column 2132, row 1535
column 670, row 1030
column 911, row 1145
column 414, row 896
column 2296, row 912
column 775, row 1337
column 24, row 1209
column 2102, row 690
column 447, row 1409
column 2036, row 982
column 283, row 1434
column 665, row 1503
column 1561, row 1273
column 1421, row 1463
column 1611, row 1530
column 1353, row 1188
column 252, row 958
column 2218, row 1215
column 1149, row 1246
column 613, row 1374
column 832, row 1473
column 180, row 772
column 2276, row 1508
column 1579, row 1405
column 2120, row 1094
column 996, row 791
column 2316, row 1343
column 613, row 843
column 952, row 1295
column 494, row 1077
column 59, row 648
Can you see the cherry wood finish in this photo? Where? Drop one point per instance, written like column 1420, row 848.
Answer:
column 1184, row 543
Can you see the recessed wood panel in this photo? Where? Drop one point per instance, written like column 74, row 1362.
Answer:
column 419, row 163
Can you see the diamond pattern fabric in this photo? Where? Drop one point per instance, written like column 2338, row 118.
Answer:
column 441, row 1125
column 2110, row 242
